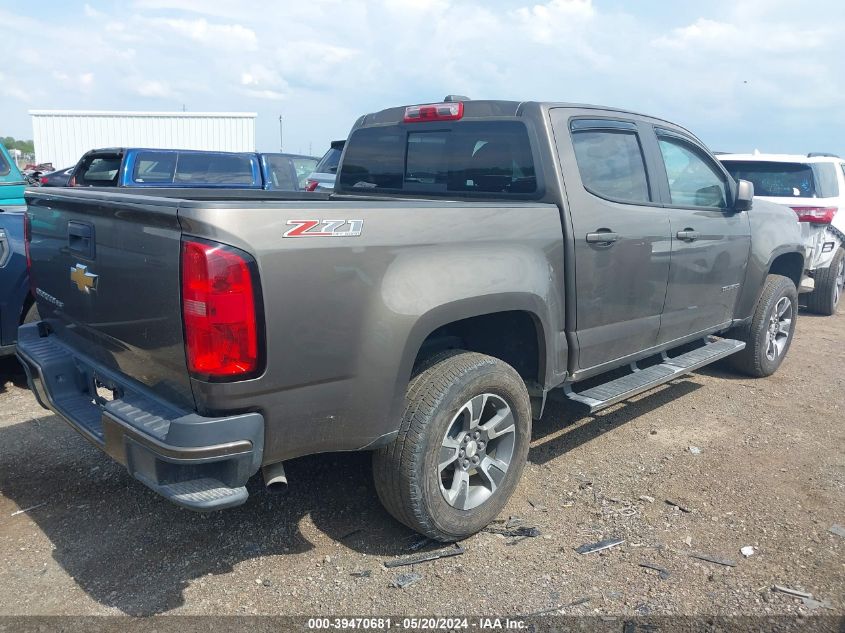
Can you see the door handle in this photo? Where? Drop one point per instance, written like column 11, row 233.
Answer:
column 688, row 235
column 602, row 236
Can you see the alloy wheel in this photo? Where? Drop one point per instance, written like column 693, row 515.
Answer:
column 780, row 326
column 476, row 451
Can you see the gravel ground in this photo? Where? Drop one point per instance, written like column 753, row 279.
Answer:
column 756, row 463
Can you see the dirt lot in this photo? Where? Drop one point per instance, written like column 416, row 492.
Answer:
column 770, row 474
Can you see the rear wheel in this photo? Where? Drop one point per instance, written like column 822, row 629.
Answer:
column 830, row 282
column 769, row 334
column 461, row 448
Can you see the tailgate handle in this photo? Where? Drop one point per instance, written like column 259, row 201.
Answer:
column 80, row 238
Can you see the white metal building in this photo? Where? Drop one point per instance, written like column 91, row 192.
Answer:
column 61, row 137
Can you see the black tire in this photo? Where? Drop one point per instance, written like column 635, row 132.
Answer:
column 31, row 315
column 825, row 298
column 755, row 360
column 406, row 472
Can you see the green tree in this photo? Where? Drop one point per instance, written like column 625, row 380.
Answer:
column 27, row 147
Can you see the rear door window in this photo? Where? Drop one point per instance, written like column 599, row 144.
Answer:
column 611, row 164
column 463, row 158
column 303, row 167
column 280, row 174
column 214, row 169
column 154, row 167
column 693, row 180
column 100, row 171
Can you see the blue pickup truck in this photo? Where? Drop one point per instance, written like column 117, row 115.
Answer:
column 138, row 167
column 16, row 305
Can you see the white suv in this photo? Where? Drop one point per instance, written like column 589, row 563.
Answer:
column 814, row 187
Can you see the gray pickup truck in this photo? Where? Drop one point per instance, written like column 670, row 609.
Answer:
column 475, row 256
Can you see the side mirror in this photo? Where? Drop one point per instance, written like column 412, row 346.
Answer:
column 744, row 195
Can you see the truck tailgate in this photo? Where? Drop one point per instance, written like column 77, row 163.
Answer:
column 105, row 269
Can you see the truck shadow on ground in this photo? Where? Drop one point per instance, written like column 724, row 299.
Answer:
column 130, row 550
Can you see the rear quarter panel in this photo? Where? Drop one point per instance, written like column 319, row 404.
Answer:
column 345, row 316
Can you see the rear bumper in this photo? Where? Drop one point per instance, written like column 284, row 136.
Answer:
column 196, row 462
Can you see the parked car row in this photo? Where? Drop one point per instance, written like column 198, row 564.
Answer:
column 143, row 167
column 475, row 258
column 58, row 178
column 135, row 168
column 323, row 177
column 17, row 305
column 812, row 185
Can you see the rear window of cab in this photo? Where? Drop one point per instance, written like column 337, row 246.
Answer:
column 99, row 171
column 464, row 158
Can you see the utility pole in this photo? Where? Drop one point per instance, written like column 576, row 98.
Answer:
column 281, row 134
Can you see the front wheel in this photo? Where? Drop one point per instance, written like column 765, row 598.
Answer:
column 830, row 282
column 461, row 448
column 769, row 334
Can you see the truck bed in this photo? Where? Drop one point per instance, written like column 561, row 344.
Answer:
column 343, row 316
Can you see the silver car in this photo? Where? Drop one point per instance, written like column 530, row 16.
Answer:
column 322, row 178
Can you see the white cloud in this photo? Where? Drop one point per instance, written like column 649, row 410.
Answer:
column 217, row 8
column 227, row 36
column 546, row 22
column 729, row 69
column 151, row 88
column 9, row 88
column 737, row 39
column 271, row 95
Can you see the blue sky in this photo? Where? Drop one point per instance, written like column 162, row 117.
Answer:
column 742, row 74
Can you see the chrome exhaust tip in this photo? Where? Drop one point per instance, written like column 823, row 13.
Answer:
column 275, row 479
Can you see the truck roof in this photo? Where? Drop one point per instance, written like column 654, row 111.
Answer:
column 481, row 108
column 117, row 150
column 782, row 158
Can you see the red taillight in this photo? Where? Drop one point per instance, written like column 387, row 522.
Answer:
column 815, row 215
column 218, row 310
column 311, row 185
column 44, row 180
column 434, row 112
column 27, row 238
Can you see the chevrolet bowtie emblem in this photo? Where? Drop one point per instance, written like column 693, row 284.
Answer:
column 85, row 281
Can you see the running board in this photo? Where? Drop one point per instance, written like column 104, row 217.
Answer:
column 640, row 380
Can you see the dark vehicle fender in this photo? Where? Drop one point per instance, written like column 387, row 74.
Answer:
column 16, row 279
column 776, row 247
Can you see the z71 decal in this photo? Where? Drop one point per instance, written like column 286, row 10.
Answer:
column 324, row 228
